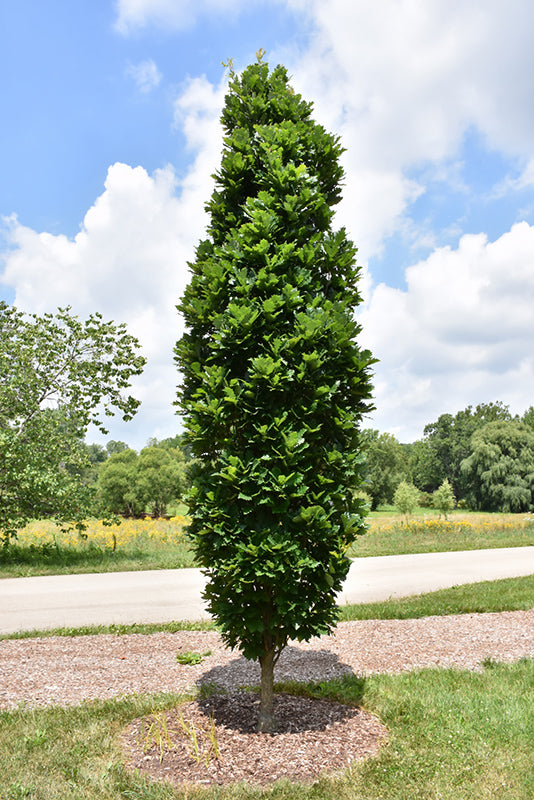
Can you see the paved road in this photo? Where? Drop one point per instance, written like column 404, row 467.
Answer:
column 165, row 595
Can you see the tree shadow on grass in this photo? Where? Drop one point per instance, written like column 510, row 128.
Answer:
column 327, row 691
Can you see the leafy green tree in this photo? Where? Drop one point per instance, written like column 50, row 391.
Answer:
column 94, row 457
column 116, row 484
column 177, row 443
column 447, row 442
column 427, row 469
column 131, row 484
column 96, row 453
column 114, row 446
column 499, row 472
column 274, row 385
column 58, row 375
column 385, row 466
column 160, row 478
column 528, row 417
column 406, row 498
column 443, row 499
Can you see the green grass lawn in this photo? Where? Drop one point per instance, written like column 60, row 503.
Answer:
column 453, row 734
column 508, row 594
column 41, row 549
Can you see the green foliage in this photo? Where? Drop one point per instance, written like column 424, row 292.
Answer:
column 406, row 498
column 385, row 466
column 426, row 500
column 191, row 658
column 447, row 442
column 114, row 446
column 160, row 478
column 274, row 385
column 443, row 499
column 499, row 473
column 129, row 484
column 116, row 484
column 528, row 417
column 58, row 375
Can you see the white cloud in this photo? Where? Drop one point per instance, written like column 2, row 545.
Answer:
column 511, row 184
column 196, row 112
column 402, row 81
column 526, row 179
column 461, row 333
column 146, row 75
column 133, row 15
column 129, row 260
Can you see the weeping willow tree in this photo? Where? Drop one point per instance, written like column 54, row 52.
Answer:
column 274, row 383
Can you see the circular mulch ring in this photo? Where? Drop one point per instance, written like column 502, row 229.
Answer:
column 313, row 737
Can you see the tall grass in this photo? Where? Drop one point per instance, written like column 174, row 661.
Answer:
column 387, row 534
column 41, row 548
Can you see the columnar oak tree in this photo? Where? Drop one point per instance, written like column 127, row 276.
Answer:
column 274, row 384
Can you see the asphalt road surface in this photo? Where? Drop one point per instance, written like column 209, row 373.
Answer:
column 164, row 595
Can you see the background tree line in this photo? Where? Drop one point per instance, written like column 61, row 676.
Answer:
column 485, row 453
column 132, row 484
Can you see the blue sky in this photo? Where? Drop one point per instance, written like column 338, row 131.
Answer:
column 75, row 106
column 110, row 134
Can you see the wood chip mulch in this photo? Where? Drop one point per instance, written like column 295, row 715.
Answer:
column 313, row 737
column 69, row 670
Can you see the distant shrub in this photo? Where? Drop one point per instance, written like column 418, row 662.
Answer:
column 443, row 499
column 426, row 500
column 406, row 498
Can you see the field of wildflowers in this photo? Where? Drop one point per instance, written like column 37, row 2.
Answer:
column 42, row 548
column 426, row 533
column 130, row 533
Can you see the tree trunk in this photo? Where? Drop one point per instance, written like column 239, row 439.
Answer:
column 266, row 718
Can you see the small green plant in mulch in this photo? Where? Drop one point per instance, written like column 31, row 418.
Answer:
column 189, row 657
column 157, row 734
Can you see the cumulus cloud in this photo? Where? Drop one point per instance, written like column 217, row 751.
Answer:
column 196, row 113
column 133, row 15
column 145, row 74
column 460, row 333
column 403, row 82
column 129, row 260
